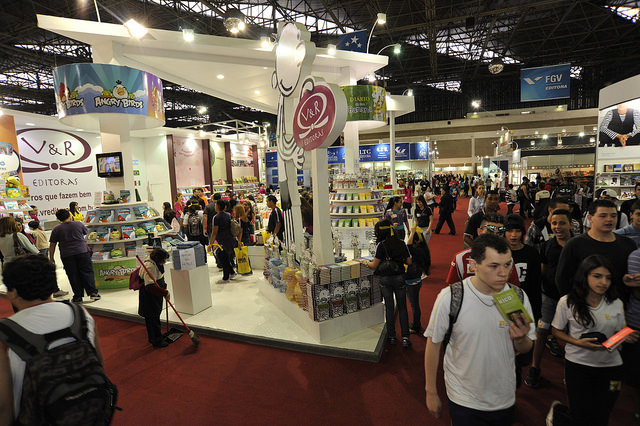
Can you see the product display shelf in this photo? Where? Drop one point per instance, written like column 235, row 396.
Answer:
column 355, row 228
column 123, row 222
column 124, row 240
column 113, row 272
column 621, row 181
column 15, row 205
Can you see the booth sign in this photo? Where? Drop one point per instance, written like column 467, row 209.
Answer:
column 320, row 115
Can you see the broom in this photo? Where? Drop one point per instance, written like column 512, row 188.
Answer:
column 192, row 335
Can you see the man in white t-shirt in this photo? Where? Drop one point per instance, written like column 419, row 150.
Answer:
column 479, row 361
column 30, row 282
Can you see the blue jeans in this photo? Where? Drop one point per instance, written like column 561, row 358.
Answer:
column 390, row 286
column 79, row 270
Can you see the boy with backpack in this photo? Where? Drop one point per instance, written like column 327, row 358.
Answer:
column 77, row 391
column 479, row 360
column 192, row 221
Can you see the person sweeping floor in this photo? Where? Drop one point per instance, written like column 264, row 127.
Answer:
column 151, row 295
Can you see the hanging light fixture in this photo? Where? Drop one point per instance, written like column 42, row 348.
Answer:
column 496, row 66
column 234, row 21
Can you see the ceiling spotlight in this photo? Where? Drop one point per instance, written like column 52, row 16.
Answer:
column 220, row 76
column 188, row 35
column 581, row 134
column 545, row 137
column 397, row 49
column 331, row 49
column 234, row 20
column 135, row 29
column 475, row 103
column 496, row 66
column 382, row 18
column 202, row 109
column 409, row 92
column 266, row 43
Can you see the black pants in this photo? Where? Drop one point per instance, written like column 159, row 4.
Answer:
column 150, row 307
column 510, row 208
column 79, row 270
column 592, row 392
column 413, row 294
column 445, row 216
column 465, row 416
column 525, row 206
column 226, row 258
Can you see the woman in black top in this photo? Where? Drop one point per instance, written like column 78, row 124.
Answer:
column 391, row 256
column 424, row 217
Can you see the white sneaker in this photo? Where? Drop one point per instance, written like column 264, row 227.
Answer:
column 549, row 419
column 222, row 281
column 233, row 276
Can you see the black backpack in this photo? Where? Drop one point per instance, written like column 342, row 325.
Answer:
column 75, row 392
column 194, row 225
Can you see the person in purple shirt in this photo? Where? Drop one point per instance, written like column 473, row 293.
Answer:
column 75, row 256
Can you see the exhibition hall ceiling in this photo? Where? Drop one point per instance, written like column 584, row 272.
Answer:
column 447, row 47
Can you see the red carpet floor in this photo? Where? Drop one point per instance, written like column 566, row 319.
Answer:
column 225, row 382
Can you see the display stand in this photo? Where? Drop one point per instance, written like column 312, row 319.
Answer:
column 355, row 221
column 113, row 272
column 191, row 289
column 326, row 330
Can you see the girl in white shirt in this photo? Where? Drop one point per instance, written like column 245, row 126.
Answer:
column 592, row 313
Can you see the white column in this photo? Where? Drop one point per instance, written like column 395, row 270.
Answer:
column 322, row 241
column 473, row 155
column 351, row 148
column 392, row 147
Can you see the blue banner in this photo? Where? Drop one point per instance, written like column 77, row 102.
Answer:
column 419, row 151
column 271, row 159
column 355, row 42
column 335, row 154
column 541, row 83
column 402, row 151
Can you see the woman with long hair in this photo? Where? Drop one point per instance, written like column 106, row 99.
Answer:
column 397, row 215
column 75, row 212
column 424, row 217
column 590, row 314
column 178, row 204
column 12, row 241
column 391, row 256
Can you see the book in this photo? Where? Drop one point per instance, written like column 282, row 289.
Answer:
column 125, row 195
column 614, row 341
column 508, row 303
column 124, row 215
column 11, row 205
column 105, row 216
column 128, row 232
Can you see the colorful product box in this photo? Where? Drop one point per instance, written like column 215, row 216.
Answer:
column 128, row 232
column 337, row 299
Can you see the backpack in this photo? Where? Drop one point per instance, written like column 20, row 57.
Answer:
column 235, row 227
column 520, row 194
column 388, row 267
column 77, row 391
column 135, row 281
column 457, row 295
column 194, row 225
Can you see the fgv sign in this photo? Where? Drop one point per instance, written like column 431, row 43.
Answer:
column 541, row 83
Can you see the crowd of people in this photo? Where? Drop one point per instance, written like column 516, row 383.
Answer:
column 576, row 266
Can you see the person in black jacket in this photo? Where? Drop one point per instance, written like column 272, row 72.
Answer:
column 391, row 256
column 446, row 210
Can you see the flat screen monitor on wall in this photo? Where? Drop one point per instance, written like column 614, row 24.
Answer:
column 109, row 164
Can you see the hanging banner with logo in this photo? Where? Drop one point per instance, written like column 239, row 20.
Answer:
column 9, row 151
column 103, row 88
column 335, row 154
column 58, row 167
column 366, row 103
column 541, row 83
column 419, row 151
column 320, row 115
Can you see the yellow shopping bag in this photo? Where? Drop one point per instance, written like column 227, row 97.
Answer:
column 242, row 258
